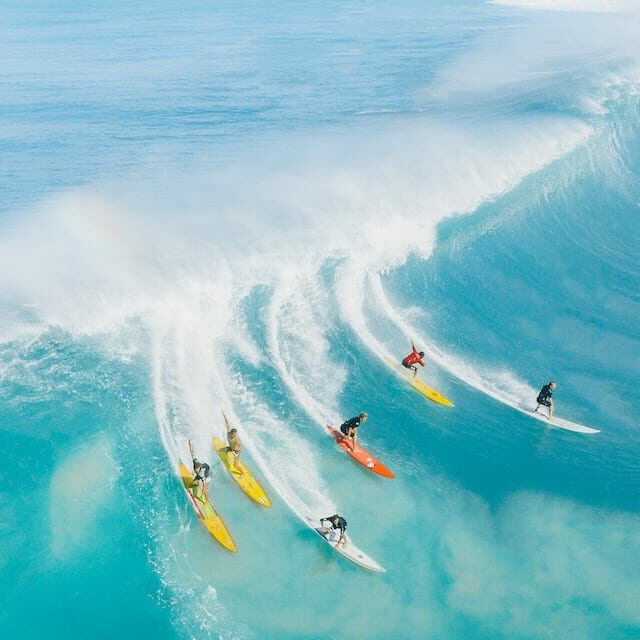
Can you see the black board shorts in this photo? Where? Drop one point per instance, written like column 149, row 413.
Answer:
column 546, row 403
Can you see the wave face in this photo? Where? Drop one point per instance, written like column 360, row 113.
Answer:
column 247, row 209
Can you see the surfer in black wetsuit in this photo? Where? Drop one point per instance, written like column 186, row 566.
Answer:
column 201, row 474
column 545, row 399
column 334, row 524
column 349, row 429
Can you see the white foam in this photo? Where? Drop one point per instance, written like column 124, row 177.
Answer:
column 298, row 346
column 189, row 393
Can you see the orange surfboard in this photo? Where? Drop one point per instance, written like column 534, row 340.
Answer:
column 359, row 454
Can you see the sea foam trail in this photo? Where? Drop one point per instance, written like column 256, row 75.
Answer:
column 297, row 325
column 503, row 386
column 190, row 394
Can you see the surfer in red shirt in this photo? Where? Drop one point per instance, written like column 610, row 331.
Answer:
column 413, row 359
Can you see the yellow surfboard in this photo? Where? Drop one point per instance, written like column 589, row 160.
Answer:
column 419, row 385
column 244, row 480
column 204, row 510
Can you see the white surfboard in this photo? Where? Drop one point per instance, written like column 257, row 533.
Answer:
column 349, row 550
column 543, row 416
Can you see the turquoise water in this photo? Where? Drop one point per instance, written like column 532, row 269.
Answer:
column 243, row 207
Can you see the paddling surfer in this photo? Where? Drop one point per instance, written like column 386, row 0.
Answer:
column 234, row 448
column 201, row 476
column 335, row 527
column 349, row 428
column 413, row 359
column 544, row 398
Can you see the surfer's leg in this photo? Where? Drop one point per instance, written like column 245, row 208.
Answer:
column 230, row 458
column 551, row 408
column 351, row 435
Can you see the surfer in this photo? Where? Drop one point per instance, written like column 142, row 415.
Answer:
column 545, row 399
column 201, row 474
column 334, row 529
column 413, row 359
column 349, row 428
column 234, row 448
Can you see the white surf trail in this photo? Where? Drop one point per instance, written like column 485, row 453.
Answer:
column 295, row 312
column 503, row 386
column 191, row 380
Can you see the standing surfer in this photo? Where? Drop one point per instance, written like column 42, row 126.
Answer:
column 545, row 399
column 234, row 448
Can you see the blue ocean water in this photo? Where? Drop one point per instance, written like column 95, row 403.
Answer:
column 244, row 207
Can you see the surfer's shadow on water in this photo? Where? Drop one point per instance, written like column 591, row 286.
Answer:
column 324, row 560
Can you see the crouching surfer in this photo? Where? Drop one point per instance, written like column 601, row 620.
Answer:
column 333, row 529
column 201, row 476
column 349, row 428
column 413, row 359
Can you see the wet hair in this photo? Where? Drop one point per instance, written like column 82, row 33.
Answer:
column 233, row 431
column 421, row 354
column 363, row 415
